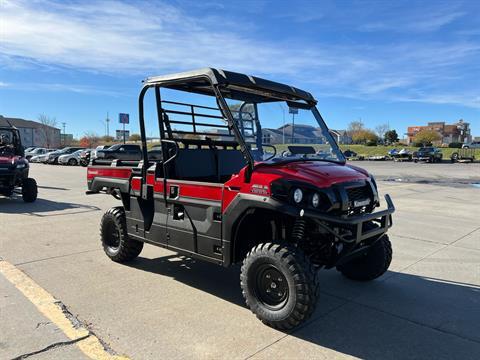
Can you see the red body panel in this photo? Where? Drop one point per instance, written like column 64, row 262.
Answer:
column 108, row 171
column 9, row 159
column 198, row 191
column 317, row 173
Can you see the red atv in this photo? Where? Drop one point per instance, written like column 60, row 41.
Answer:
column 14, row 167
column 230, row 188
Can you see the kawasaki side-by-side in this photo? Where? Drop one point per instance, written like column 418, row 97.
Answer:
column 248, row 174
column 14, row 166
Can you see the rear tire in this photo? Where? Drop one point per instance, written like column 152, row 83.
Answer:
column 29, row 190
column 279, row 285
column 116, row 243
column 372, row 265
column 72, row 162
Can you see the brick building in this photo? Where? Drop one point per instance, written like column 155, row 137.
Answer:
column 457, row 132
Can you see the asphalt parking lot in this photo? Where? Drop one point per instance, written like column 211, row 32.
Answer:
column 165, row 306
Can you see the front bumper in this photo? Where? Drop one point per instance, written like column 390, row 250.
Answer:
column 383, row 218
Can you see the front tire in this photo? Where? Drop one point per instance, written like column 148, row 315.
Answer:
column 29, row 190
column 72, row 162
column 279, row 285
column 116, row 243
column 372, row 265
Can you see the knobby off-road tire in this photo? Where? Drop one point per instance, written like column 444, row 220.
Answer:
column 29, row 190
column 279, row 285
column 371, row 265
column 115, row 241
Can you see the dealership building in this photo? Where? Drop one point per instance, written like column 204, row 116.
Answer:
column 34, row 133
column 458, row 132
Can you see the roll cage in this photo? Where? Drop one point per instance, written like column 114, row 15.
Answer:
column 16, row 141
column 220, row 84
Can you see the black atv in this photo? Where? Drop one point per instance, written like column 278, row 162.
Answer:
column 14, row 167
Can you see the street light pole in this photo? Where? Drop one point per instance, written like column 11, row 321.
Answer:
column 64, row 139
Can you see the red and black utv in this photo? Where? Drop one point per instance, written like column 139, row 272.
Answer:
column 237, row 183
column 14, row 166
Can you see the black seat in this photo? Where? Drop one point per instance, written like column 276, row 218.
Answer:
column 209, row 165
column 229, row 162
column 195, row 165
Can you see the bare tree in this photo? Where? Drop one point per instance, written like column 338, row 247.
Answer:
column 48, row 129
column 354, row 127
column 381, row 130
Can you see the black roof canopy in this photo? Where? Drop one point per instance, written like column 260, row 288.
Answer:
column 232, row 85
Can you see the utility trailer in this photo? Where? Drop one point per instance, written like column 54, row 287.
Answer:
column 463, row 155
column 222, row 193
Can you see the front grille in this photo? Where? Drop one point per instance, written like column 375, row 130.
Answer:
column 359, row 193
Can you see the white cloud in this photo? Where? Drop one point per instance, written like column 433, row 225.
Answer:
column 142, row 38
column 111, row 36
column 420, row 18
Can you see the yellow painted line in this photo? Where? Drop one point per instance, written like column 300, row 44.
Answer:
column 48, row 306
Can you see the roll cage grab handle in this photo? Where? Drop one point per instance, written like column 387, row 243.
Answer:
column 223, row 108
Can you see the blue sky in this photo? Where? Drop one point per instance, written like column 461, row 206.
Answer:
column 401, row 62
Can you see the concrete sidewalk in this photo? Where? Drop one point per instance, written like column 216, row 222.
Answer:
column 165, row 306
column 25, row 332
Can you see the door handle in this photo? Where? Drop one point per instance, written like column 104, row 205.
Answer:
column 174, row 191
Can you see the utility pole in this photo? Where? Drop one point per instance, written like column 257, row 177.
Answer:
column 107, row 120
column 293, row 111
column 283, row 128
column 64, row 138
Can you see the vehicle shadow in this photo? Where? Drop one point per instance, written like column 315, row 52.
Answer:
column 216, row 280
column 42, row 207
column 397, row 316
column 52, row 188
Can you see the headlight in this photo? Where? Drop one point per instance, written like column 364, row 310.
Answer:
column 315, row 200
column 297, row 195
column 20, row 166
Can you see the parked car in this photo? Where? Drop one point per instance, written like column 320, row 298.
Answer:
column 35, row 152
column 472, row 145
column 53, row 156
column 155, row 153
column 93, row 154
column 29, row 149
column 431, row 154
column 41, row 158
column 72, row 159
column 121, row 152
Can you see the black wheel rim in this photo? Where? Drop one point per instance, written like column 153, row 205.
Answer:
column 113, row 237
column 271, row 287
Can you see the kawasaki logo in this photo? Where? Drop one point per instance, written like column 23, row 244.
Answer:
column 360, row 203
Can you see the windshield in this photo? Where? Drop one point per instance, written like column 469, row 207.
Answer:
column 114, row 147
column 278, row 132
column 274, row 129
